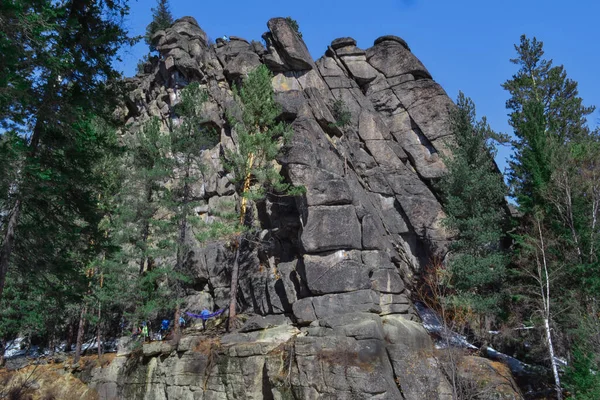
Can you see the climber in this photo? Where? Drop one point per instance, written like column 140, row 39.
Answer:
column 145, row 331
column 225, row 38
column 205, row 315
column 181, row 322
column 164, row 328
column 136, row 332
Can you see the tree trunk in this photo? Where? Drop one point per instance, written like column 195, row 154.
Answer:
column 8, row 243
column 145, row 230
column 9, row 235
column 234, row 287
column 2, row 350
column 98, row 332
column 176, row 327
column 70, row 333
column 246, row 188
column 544, row 279
column 552, row 359
column 80, row 332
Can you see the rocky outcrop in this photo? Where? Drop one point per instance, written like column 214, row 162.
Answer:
column 350, row 356
column 335, row 265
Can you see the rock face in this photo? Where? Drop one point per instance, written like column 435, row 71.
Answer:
column 337, row 264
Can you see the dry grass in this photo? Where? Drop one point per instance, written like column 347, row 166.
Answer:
column 50, row 382
column 206, row 345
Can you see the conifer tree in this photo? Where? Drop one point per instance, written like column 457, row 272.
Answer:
column 474, row 199
column 161, row 19
column 57, row 86
column 555, row 183
column 545, row 105
column 255, row 174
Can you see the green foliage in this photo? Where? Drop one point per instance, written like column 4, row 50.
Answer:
column 582, row 377
column 260, row 138
column 554, row 178
column 294, row 25
column 341, row 113
column 546, row 112
column 539, row 81
column 149, row 219
column 531, row 167
column 140, row 68
column 54, row 99
column 161, row 19
column 473, row 194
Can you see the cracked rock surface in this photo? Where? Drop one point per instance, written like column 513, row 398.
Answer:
column 331, row 293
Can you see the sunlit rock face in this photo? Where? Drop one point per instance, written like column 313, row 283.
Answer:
column 329, row 284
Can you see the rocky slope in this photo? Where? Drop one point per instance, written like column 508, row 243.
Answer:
column 330, row 286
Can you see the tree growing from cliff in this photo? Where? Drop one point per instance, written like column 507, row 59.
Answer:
column 253, row 163
column 161, row 19
column 294, row 25
column 474, row 198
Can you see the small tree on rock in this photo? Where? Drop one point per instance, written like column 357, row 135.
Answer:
column 161, row 19
column 253, row 163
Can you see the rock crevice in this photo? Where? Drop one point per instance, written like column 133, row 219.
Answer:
column 336, row 265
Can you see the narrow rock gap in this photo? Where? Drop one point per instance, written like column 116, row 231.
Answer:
column 396, row 376
column 266, row 384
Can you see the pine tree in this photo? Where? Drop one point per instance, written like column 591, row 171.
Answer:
column 151, row 219
column 255, row 174
column 161, row 19
column 62, row 74
column 557, row 187
column 474, row 199
column 545, row 105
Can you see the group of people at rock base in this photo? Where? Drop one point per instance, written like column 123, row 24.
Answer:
column 144, row 331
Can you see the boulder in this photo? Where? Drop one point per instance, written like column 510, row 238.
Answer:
column 411, row 351
column 289, row 45
column 322, row 187
column 262, row 322
column 328, row 66
column 428, row 105
column 311, row 309
column 240, row 65
column 392, row 58
column 359, row 68
column 392, row 38
column 188, row 26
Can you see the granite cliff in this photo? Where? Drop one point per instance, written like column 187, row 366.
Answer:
column 328, row 293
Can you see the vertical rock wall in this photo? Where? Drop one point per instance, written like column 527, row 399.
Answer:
column 338, row 262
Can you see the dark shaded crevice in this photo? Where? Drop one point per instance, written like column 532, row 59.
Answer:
column 299, row 280
column 396, row 376
column 266, row 384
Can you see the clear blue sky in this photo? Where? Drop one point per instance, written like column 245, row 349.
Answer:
column 465, row 44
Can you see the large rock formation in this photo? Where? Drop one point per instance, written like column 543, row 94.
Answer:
column 336, row 268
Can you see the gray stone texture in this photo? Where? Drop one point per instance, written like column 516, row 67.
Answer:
column 326, row 282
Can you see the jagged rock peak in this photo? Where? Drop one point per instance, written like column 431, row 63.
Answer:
column 335, row 283
column 294, row 51
column 180, row 34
